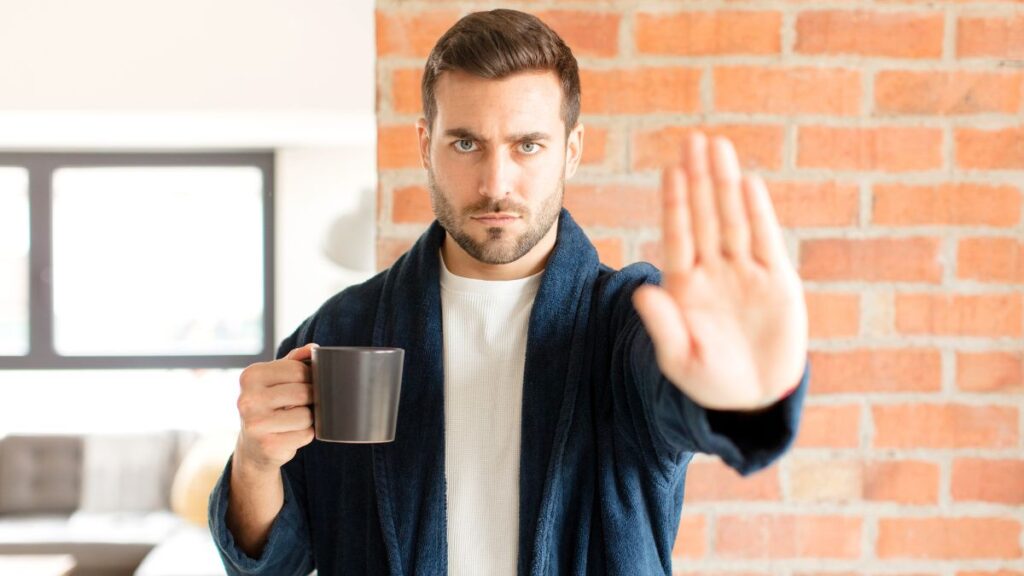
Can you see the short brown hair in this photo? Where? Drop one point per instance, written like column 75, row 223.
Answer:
column 497, row 44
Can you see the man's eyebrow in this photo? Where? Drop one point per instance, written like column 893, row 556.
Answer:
column 461, row 133
column 470, row 135
column 531, row 136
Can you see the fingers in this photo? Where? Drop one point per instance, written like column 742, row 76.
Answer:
column 301, row 353
column 733, row 225
column 677, row 236
column 703, row 213
column 286, row 420
column 291, row 420
column 289, row 395
column 274, row 408
column 730, row 214
column 767, row 243
column 270, row 386
column 660, row 315
column 297, row 438
column 262, row 375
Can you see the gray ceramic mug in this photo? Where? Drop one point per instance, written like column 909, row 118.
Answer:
column 355, row 393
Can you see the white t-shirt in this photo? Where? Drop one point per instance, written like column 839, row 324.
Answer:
column 484, row 325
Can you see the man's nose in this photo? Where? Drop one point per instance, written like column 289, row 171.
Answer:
column 498, row 172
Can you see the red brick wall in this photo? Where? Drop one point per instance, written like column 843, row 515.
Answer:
column 891, row 135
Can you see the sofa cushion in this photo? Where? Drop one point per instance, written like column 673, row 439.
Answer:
column 40, row 474
column 85, row 528
column 128, row 472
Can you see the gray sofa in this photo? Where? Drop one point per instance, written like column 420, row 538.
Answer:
column 102, row 498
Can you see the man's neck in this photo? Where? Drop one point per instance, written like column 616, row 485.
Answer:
column 460, row 263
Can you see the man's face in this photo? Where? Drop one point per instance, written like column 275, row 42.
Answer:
column 497, row 161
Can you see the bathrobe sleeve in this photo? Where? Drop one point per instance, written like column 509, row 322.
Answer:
column 746, row 441
column 287, row 551
column 288, row 548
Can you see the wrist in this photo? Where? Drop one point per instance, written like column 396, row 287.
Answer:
column 250, row 470
column 766, row 407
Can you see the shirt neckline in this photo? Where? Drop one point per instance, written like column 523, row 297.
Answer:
column 456, row 283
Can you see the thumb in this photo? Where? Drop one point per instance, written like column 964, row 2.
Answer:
column 661, row 317
column 301, row 353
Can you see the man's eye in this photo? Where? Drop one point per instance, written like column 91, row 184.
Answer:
column 464, row 145
column 530, row 147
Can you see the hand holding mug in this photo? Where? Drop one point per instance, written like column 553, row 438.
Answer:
column 274, row 406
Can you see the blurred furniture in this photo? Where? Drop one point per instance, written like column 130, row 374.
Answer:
column 102, row 499
column 189, row 551
column 37, row 565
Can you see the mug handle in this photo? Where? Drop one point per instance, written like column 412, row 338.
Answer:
column 309, row 362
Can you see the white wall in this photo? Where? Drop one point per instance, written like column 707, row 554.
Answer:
column 325, row 226
column 294, row 76
column 120, row 55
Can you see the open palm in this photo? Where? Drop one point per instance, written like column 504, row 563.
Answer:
column 728, row 323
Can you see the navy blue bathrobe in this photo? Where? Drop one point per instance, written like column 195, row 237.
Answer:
column 606, row 438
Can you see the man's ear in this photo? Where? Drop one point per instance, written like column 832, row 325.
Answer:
column 423, row 134
column 573, row 150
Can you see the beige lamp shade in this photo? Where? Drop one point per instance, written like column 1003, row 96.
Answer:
column 198, row 473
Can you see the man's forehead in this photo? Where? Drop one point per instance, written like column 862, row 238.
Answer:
column 522, row 102
column 461, row 80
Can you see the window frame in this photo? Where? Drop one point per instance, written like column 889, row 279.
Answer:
column 41, row 167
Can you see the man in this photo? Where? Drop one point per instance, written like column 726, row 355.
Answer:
column 547, row 428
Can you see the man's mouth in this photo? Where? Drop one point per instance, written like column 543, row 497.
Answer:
column 496, row 219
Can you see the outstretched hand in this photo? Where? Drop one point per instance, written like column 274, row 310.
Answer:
column 729, row 322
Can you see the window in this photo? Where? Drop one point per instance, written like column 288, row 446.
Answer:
column 14, row 261
column 151, row 260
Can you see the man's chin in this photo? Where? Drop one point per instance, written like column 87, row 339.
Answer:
column 496, row 250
